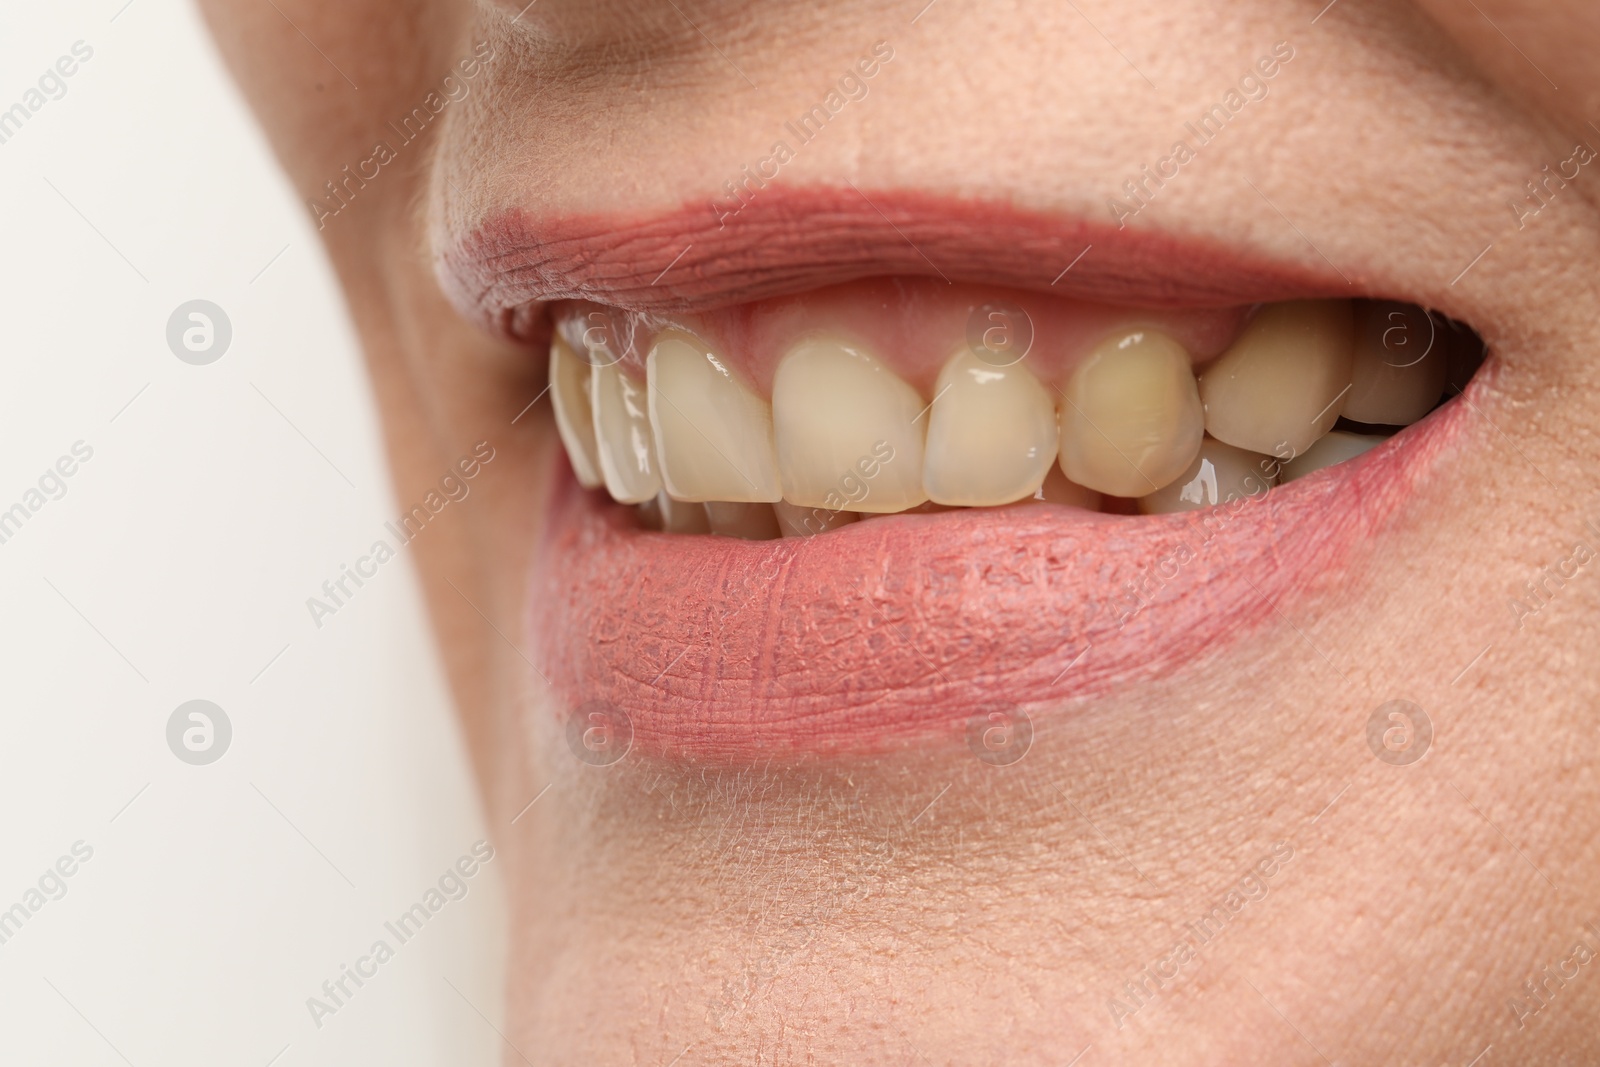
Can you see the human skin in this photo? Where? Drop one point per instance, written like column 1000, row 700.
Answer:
column 919, row 905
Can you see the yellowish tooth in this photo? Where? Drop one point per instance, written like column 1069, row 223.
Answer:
column 750, row 521
column 1130, row 416
column 927, row 507
column 796, row 521
column 622, row 433
column 713, row 434
column 991, row 434
column 1398, row 371
column 1058, row 489
column 1335, row 447
column 850, row 431
column 1220, row 473
column 569, row 393
column 1284, row 382
column 681, row 516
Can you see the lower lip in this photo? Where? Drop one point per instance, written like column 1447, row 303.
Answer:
column 900, row 631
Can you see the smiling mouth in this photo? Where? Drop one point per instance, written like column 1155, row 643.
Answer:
column 865, row 514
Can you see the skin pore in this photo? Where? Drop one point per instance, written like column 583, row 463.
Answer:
column 921, row 905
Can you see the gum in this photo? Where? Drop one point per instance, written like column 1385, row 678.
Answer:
column 912, row 324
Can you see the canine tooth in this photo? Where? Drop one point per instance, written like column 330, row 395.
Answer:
column 1336, row 447
column 1058, row 489
column 850, row 431
column 569, row 393
column 1131, row 420
column 1398, row 370
column 713, row 434
column 796, row 521
column 622, row 432
column 991, row 434
column 1220, row 473
column 681, row 516
column 751, row 521
column 1284, row 382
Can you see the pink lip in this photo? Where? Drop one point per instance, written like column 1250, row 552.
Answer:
column 790, row 240
column 898, row 630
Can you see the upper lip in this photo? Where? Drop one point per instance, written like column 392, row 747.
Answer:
column 499, row 271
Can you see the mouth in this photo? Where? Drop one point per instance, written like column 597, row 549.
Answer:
column 822, row 499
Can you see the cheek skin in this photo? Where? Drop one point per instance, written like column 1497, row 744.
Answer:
column 1551, row 66
column 441, row 386
column 934, row 900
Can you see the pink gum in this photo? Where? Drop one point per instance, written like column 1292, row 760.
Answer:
column 912, row 324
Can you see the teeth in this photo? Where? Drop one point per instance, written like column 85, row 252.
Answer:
column 991, row 434
column 796, row 521
column 713, row 434
column 753, row 522
column 845, row 439
column 848, row 430
column 569, row 392
column 1398, row 371
column 1131, row 419
column 1057, row 489
column 622, row 432
column 1336, row 447
column 1220, row 473
column 681, row 516
column 1284, row 382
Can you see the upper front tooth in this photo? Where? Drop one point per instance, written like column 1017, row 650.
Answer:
column 713, row 434
column 991, row 434
column 1130, row 418
column 1399, row 366
column 849, row 431
column 569, row 392
column 1336, row 447
column 1283, row 383
column 1219, row 474
column 622, row 434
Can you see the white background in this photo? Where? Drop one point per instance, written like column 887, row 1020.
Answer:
column 177, row 567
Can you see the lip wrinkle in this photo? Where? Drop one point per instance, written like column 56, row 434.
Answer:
column 789, row 240
column 893, row 632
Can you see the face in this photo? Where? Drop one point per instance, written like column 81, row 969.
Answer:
column 957, row 538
